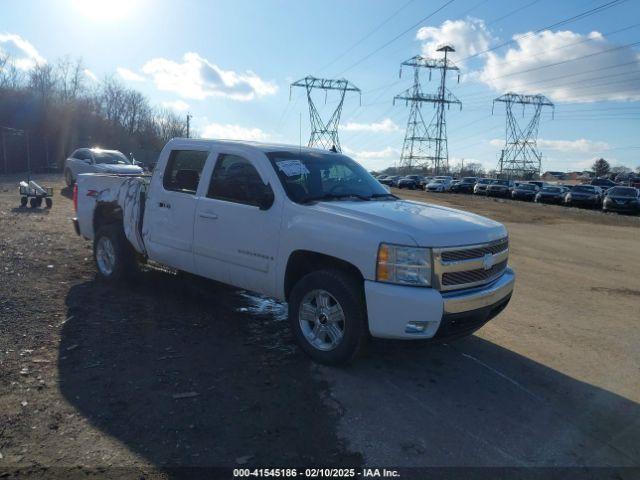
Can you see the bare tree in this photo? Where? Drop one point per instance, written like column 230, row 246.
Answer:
column 10, row 77
column 70, row 76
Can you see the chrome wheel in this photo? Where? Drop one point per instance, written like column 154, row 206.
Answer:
column 105, row 256
column 322, row 320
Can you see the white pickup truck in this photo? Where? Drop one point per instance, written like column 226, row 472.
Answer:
column 308, row 227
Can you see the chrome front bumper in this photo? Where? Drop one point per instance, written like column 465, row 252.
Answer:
column 481, row 297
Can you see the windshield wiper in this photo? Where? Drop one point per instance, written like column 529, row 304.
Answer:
column 385, row 195
column 333, row 196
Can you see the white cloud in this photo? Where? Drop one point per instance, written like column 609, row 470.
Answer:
column 601, row 75
column 23, row 54
column 90, row 74
column 375, row 159
column 233, row 132
column 177, row 105
column 386, row 125
column 129, row 75
column 581, row 145
column 197, row 78
column 468, row 37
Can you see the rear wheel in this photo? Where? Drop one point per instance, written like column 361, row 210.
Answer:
column 114, row 256
column 328, row 316
column 48, row 202
column 68, row 178
column 33, row 202
column 23, row 201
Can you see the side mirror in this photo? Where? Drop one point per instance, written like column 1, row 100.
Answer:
column 266, row 198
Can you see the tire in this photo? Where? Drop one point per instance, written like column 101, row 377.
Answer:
column 48, row 202
column 345, row 292
column 24, row 201
column 68, row 178
column 113, row 255
column 33, row 202
column 38, row 201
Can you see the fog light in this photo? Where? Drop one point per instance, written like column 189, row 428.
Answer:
column 416, row 327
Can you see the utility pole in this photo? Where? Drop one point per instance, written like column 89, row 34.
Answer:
column 520, row 157
column 324, row 134
column 426, row 145
column 188, row 123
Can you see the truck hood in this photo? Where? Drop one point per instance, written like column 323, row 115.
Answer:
column 429, row 225
column 109, row 168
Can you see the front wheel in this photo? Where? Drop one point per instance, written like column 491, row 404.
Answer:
column 328, row 316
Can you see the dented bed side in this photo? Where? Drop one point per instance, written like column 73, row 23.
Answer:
column 126, row 193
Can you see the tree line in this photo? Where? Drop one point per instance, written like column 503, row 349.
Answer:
column 61, row 108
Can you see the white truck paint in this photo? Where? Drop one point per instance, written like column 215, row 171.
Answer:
column 463, row 282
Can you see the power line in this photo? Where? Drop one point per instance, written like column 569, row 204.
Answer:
column 374, row 30
column 366, row 57
column 580, row 16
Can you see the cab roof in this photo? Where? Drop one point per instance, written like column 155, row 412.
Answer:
column 264, row 147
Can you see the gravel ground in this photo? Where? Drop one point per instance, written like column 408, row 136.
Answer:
column 168, row 371
column 171, row 371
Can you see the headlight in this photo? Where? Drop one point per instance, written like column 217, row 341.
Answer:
column 404, row 265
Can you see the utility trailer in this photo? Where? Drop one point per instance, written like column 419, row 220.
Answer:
column 32, row 193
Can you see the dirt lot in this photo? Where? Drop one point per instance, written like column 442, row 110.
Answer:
column 174, row 371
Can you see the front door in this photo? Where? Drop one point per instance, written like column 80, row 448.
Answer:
column 170, row 209
column 235, row 241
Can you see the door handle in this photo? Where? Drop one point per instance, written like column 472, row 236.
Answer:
column 210, row 215
column 164, row 205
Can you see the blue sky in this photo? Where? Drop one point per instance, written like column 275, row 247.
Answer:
column 230, row 62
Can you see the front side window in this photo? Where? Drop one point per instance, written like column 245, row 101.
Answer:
column 235, row 179
column 183, row 170
column 308, row 176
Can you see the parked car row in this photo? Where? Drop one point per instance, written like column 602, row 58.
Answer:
column 601, row 193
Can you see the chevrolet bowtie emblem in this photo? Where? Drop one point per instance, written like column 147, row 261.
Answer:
column 487, row 261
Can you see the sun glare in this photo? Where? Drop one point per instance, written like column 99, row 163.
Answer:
column 104, row 10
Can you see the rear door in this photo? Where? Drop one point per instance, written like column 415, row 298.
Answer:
column 170, row 209
column 235, row 241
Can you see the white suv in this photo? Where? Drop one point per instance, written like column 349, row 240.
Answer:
column 96, row 160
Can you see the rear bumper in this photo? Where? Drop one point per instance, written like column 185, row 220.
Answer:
column 391, row 308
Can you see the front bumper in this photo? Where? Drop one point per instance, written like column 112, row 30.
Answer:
column 524, row 196
column 617, row 207
column 584, row 201
column 391, row 308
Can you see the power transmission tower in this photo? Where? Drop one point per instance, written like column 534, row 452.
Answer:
column 426, row 145
column 324, row 134
column 520, row 157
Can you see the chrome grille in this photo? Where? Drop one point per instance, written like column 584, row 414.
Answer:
column 469, row 266
column 455, row 255
column 472, row 276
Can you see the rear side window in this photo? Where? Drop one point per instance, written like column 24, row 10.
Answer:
column 235, row 180
column 183, row 170
column 81, row 154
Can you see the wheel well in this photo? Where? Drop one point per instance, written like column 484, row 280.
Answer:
column 302, row 262
column 106, row 213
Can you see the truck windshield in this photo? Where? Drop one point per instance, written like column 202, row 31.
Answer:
column 308, row 176
column 111, row 157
